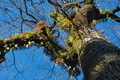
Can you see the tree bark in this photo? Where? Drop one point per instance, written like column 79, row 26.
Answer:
column 100, row 61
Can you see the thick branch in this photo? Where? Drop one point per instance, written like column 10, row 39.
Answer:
column 109, row 14
column 116, row 10
column 26, row 39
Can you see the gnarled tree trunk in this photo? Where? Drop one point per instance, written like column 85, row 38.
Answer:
column 99, row 59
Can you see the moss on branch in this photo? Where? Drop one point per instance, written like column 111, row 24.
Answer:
column 41, row 36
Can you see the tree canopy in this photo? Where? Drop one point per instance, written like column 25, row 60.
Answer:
column 77, row 35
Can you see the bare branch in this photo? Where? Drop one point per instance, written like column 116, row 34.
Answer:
column 26, row 9
column 116, row 10
column 110, row 14
column 54, row 3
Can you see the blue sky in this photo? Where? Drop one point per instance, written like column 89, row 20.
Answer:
column 32, row 64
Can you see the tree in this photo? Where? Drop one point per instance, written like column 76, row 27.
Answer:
column 84, row 46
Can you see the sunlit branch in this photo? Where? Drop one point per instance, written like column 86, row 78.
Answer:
column 29, row 38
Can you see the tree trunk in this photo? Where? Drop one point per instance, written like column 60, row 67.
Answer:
column 100, row 61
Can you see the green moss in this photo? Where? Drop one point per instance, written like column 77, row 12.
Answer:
column 59, row 18
column 88, row 1
column 73, row 3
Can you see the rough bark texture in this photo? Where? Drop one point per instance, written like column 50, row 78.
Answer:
column 100, row 61
column 84, row 15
